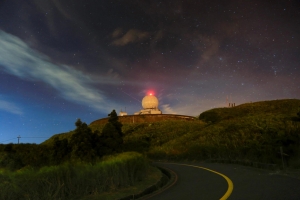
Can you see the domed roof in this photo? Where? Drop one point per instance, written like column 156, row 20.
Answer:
column 150, row 101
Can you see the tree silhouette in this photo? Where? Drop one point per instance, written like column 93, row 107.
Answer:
column 112, row 136
column 60, row 151
column 114, row 120
column 83, row 143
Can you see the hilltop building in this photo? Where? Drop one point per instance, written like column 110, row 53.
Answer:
column 150, row 106
column 122, row 113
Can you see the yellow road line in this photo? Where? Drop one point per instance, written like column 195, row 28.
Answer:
column 230, row 184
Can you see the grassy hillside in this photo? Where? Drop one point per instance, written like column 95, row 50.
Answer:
column 276, row 108
column 252, row 131
column 61, row 136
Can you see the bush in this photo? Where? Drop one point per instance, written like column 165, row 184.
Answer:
column 210, row 117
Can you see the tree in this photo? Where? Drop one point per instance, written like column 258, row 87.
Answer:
column 114, row 120
column 112, row 136
column 11, row 160
column 83, row 143
column 60, row 150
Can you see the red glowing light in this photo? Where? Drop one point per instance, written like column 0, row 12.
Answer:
column 150, row 93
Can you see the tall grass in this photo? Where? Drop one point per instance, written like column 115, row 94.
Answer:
column 234, row 140
column 73, row 181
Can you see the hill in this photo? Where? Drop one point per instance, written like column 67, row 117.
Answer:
column 279, row 108
column 125, row 120
column 251, row 132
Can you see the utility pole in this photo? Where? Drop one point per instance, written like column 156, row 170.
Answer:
column 19, row 138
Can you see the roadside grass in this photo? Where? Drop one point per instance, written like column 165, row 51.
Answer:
column 152, row 176
column 74, row 180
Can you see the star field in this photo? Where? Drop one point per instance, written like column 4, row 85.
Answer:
column 63, row 60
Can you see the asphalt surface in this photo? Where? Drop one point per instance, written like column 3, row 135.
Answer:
column 248, row 183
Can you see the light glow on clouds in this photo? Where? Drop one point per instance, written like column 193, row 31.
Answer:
column 18, row 59
column 166, row 109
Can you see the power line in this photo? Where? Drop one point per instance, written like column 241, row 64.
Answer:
column 18, row 138
column 8, row 140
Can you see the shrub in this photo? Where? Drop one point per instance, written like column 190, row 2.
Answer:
column 210, row 117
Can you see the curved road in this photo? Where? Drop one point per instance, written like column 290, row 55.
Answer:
column 248, row 183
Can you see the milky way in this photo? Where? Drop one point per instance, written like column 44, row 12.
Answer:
column 63, row 60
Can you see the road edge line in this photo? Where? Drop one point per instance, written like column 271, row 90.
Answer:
column 229, row 182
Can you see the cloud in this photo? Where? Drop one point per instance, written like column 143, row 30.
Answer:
column 166, row 109
column 131, row 36
column 10, row 107
column 117, row 32
column 18, row 59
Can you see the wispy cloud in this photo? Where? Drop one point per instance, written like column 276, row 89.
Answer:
column 166, row 109
column 133, row 35
column 10, row 107
column 18, row 59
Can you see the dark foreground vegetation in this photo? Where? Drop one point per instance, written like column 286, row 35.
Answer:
column 83, row 145
column 73, row 180
column 82, row 166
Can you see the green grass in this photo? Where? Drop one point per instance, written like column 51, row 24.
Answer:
column 74, row 181
column 279, row 108
column 152, row 176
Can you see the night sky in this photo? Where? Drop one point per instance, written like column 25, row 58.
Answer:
column 63, row 60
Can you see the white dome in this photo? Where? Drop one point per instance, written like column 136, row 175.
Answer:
column 150, row 102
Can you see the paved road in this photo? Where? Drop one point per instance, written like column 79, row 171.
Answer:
column 249, row 183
